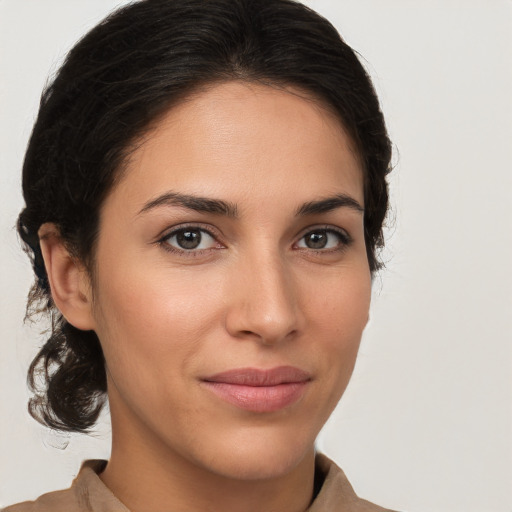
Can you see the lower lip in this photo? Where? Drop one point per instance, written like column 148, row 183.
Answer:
column 259, row 398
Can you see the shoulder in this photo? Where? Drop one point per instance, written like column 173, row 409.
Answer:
column 53, row 501
column 336, row 492
column 86, row 494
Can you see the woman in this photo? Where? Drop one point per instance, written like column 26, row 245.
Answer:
column 205, row 191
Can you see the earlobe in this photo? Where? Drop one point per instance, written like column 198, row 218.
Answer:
column 69, row 280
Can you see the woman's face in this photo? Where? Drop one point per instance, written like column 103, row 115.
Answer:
column 231, row 285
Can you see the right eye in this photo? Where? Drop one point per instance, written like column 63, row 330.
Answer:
column 189, row 239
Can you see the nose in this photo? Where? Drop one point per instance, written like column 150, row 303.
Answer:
column 263, row 301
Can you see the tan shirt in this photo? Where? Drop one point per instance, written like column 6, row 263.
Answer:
column 89, row 494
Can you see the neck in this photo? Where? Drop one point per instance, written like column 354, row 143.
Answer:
column 176, row 484
column 147, row 475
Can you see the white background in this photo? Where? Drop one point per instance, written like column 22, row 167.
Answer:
column 426, row 424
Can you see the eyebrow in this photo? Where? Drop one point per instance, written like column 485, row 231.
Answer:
column 196, row 203
column 328, row 204
column 220, row 207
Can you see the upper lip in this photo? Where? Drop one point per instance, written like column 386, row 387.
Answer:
column 260, row 377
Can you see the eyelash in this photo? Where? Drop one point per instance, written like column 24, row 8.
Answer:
column 345, row 240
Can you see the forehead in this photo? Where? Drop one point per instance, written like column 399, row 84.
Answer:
column 244, row 140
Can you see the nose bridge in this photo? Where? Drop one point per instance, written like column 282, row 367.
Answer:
column 266, row 303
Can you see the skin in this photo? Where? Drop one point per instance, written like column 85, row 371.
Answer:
column 254, row 294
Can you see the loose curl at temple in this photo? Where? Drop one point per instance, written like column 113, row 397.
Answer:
column 114, row 84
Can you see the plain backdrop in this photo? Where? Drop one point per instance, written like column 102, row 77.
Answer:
column 426, row 424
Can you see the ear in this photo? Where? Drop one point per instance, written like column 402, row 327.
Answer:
column 69, row 281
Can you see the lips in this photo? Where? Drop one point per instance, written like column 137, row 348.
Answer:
column 259, row 390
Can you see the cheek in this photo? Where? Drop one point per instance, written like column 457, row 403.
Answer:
column 340, row 301
column 337, row 320
column 152, row 329
column 149, row 320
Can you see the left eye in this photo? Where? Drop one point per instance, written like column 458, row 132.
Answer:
column 322, row 239
column 189, row 239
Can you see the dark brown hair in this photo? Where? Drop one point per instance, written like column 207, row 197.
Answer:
column 124, row 74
